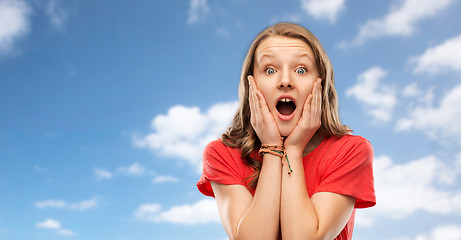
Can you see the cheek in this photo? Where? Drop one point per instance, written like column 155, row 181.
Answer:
column 307, row 89
column 268, row 95
column 263, row 87
column 303, row 94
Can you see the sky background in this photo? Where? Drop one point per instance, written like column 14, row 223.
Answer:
column 105, row 107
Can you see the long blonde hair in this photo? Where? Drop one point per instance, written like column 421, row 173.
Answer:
column 242, row 135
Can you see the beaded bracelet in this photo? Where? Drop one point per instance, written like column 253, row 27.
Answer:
column 277, row 150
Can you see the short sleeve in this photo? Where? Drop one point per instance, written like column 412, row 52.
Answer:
column 220, row 165
column 351, row 173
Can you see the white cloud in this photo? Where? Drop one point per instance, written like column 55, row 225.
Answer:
column 439, row 123
column 49, row 223
column 163, row 179
column 51, row 204
column 378, row 99
column 83, row 205
column 102, row 173
column 204, row 211
column 146, row 211
column 41, row 169
column 400, row 21
column 224, row 33
column 65, row 232
column 197, row 11
column 412, row 90
column 323, row 9
column 56, row 14
column 184, row 131
column 440, row 58
column 14, row 23
column 415, row 185
column 135, row 169
column 294, row 17
column 448, row 232
column 53, row 224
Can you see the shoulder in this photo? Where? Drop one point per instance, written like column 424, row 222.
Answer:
column 347, row 168
column 221, row 164
column 351, row 142
column 217, row 151
column 350, row 147
column 218, row 146
column 359, row 143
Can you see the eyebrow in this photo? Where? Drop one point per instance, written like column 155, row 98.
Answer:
column 308, row 56
column 269, row 55
column 266, row 55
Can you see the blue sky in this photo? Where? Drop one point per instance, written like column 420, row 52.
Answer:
column 105, row 107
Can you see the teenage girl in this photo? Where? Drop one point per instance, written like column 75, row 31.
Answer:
column 287, row 168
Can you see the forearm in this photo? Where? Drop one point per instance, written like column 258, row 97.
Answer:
column 299, row 219
column 262, row 218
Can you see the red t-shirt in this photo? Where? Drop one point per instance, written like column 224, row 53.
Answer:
column 339, row 165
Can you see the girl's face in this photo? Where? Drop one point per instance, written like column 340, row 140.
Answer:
column 285, row 71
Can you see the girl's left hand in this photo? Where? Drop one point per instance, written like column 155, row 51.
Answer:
column 310, row 120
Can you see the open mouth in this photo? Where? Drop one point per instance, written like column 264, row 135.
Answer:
column 285, row 106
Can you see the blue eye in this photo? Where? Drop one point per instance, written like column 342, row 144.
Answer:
column 301, row 70
column 270, row 71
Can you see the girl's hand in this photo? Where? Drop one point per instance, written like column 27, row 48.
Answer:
column 261, row 118
column 310, row 120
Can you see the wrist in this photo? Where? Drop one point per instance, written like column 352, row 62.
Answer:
column 267, row 157
column 272, row 143
column 278, row 151
column 278, row 142
column 294, row 150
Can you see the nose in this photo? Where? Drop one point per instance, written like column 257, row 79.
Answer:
column 285, row 81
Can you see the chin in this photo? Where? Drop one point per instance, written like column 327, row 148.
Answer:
column 286, row 127
column 285, row 131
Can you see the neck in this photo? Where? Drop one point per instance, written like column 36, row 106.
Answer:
column 313, row 143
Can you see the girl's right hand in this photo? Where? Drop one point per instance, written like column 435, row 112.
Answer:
column 261, row 118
